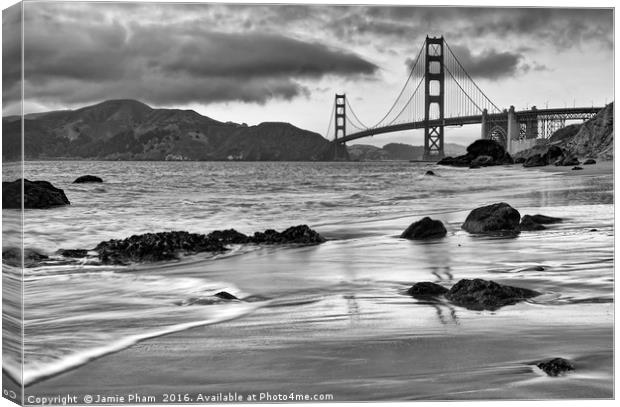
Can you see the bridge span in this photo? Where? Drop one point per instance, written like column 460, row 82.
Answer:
column 440, row 93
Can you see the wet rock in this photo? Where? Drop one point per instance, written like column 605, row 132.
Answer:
column 492, row 218
column 155, row 247
column 425, row 228
column 480, row 153
column 556, row 366
column 478, row 294
column 537, row 160
column 544, row 220
column 426, row 289
column 229, row 236
column 37, row 195
column 577, row 168
column 73, row 253
column 553, row 154
column 528, row 223
column 87, row 178
column 301, row 234
column 13, row 256
column 461, row 161
column 482, row 161
column 520, row 160
column 430, row 173
column 567, row 161
column 589, row 161
column 226, row 296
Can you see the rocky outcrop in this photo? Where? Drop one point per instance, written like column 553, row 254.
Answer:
column 595, row 137
column 556, row 367
column 301, row 234
column 478, row 294
column 425, row 228
column 86, row 179
column 567, row 161
column 481, row 153
column 499, row 217
column 37, row 195
column 427, row 289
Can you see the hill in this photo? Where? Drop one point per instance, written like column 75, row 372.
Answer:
column 396, row 151
column 131, row 130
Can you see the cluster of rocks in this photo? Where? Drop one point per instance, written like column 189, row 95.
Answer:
column 481, row 153
column 551, row 155
column 150, row 247
column 495, row 218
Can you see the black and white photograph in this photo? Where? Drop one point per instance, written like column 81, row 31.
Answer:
column 226, row 202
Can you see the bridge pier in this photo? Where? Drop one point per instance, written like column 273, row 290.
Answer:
column 484, row 133
column 434, row 99
column 512, row 132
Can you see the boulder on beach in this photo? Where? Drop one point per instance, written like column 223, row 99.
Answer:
column 86, row 179
column 556, row 366
column 426, row 289
column 226, row 296
column 492, row 218
column 481, row 153
column 543, row 219
column 425, row 228
column 301, row 234
column 37, row 195
column 589, row 161
column 536, row 160
column 229, row 236
column 567, row 161
column 576, row 168
column 478, row 294
column 430, row 173
column 529, row 224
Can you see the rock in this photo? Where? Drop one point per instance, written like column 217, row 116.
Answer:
column 37, row 195
column 427, row 289
column 13, row 256
column 473, row 167
column 301, row 234
column 490, row 148
column 155, row 247
column 425, row 228
column 553, row 154
column 478, row 294
column 528, row 224
column 589, row 161
column 567, row 161
column 430, row 173
column 226, row 296
column 461, row 161
column 520, row 160
column 542, row 219
column 229, row 236
column 492, row 218
column 556, row 366
column 577, row 168
column 74, row 253
column 482, row 161
column 87, row 178
column 537, row 160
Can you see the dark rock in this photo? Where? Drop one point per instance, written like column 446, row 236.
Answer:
column 229, row 236
column 155, row 247
column 520, row 160
column 553, row 154
column 426, row 228
column 492, row 218
column 460, row 161
column 427, row 289
column 593, row 230
column 429, row 172
column 489, row 148
column 567, row 161
column 13, row 256
column 589, row 161
column 482, row 161
column 473, row 167
column 226, row 296
column 537, row 160
column 577, row 168
column 37, row 195
column 556, row 367
column 478, row 294
column 74, row 253
column 301, row 234
column 528, row 223
column 486, row 152
column 542, row 219
column 87, row 178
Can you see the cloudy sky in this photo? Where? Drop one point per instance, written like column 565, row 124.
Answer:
column 254, row 63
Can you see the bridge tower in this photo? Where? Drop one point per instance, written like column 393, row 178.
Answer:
column 340, row 123
column 433, row 98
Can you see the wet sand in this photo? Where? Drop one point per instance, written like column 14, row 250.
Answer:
column 600, row 168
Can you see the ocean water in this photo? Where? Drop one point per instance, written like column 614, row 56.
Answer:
column 352, row 286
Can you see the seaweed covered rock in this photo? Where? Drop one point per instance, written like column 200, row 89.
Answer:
column 425, row 228
column 301, row 234
column 229, row 236
column 492, row 218
column 478, row 294
column 427, row 289
column 556, row 366
column 87, row 179
column 37, row 195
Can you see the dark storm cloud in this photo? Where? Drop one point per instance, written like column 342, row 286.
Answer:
column 165, row 63
column 11, row 53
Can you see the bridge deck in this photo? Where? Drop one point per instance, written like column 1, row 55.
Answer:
column 569, row 113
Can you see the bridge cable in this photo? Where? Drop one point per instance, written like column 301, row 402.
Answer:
column 459, row 85
column 331, row 121
column 407, row 104
column 354, row 115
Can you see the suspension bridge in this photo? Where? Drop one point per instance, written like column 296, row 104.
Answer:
column 439, row 93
